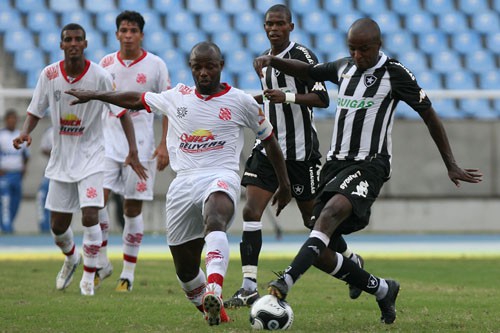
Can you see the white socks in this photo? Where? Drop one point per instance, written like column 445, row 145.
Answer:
column 102, row 259
column 92, row 240
column 132, row 238
column 216, row 259
column 66, row 243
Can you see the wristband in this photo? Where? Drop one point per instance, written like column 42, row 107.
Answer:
column 289, row 98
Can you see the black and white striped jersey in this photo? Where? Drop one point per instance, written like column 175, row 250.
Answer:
column 366, row 104
column 293, row 123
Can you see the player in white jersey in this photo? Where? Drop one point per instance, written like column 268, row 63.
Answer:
column 75, row 167
column 132, row 68
column 205, row 138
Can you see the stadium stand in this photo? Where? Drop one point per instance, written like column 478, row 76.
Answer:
column 448, row 44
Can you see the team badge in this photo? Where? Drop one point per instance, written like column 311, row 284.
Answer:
column 370, row 80
column 141, row 78
column 276, row 72
column 181, row 111
column 57, row 95
column 298, row 189
column 225, row 114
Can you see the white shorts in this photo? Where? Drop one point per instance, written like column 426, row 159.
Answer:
column 71, row 197
column 186, row 199
column 123, row 180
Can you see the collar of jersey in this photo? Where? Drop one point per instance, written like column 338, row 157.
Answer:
column 65, row 75
column 119, row 57
column 220, row 93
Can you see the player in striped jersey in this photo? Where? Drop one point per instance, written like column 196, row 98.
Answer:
column 359, row 162
column 288, row 104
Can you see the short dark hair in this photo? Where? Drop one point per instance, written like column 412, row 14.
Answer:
column 72, row 26
column 10, row 112
column 131, row 16
column 282, row 9
column 205, row 46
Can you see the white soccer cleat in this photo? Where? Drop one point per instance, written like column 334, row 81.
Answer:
column 65, row 275
column 87, row 288
column 102, row 273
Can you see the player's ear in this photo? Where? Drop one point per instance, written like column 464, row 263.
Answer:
column 86, row 44
column 222, row 64
column 292, row 26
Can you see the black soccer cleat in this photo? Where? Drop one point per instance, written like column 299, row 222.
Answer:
column 387, row 305
column 242, row 298
column 355, row 292
column 278, row 287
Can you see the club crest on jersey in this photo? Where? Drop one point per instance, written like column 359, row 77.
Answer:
column 141, row 78
column 276, row 72
column 370, row 80
column 57, row 95
column 298, row 189
column 225, row 114
column 182, row 111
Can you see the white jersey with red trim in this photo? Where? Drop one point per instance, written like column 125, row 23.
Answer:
column 207, row 132
column 147, row 73
column 78, row 149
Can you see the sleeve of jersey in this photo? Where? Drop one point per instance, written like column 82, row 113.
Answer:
column 155, row 102
column 324, row 72
column 406, row 88
column 257, row 120
column 39, row 102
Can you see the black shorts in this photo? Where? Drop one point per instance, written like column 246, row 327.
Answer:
column 359, row 181
column 303, row 175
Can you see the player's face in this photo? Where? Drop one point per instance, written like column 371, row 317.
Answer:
column 278, row 28
column 130, row 36
column 73, row 44
column 206, row 69
column 364, row 49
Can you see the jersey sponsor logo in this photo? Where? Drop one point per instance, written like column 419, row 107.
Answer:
column 262, row 116
column 200, row 140
column 349, row 179
column 109, row 60
column 185, row 90
column 71, row 125
column 52, row 72
column 308, row 56
column 369, row 80
column 181, row 111
column 91, row 192
column 361, row 189
column 225, row 114
column 318, row 86
column 298, row 189
column 141, row 78
column 141, row 187
column 57, row 95
column 354, row 103
column 222, row 184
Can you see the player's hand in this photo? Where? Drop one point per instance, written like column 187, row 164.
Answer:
column 467, row 175
column 274, row 96
column 261, row 62
column 22, row 138
column 162, row 157
column 281, row 198
column 83, row 96
column 133, row 160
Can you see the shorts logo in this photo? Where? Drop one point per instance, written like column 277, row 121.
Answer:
column 213, row 255
column 91, row 193
column 349, row 179
column 141, row 187
column 222, row 184
column 249, row 174
column 225, row 114
column 370, row 80
column 372, row 282
column 298, row 189
column 361, row 189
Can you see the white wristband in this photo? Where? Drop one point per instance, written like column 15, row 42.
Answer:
column 289, row 98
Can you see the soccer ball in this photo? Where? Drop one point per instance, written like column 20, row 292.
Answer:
column 271, row 313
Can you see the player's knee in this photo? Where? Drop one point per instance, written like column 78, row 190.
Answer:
column 186, row 275
column 251, row 214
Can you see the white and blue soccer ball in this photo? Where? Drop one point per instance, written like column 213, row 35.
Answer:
column 271, row 313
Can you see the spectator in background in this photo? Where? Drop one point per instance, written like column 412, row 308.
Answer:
column 43, row 213
column 13, row 163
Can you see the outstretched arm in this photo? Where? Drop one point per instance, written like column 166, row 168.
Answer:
column 28, row 126
column 310, row 99
column 133, row 157
column 291, row 67
column 284, row 194
column 161, row 153
column 125, row 99
column 438, row 134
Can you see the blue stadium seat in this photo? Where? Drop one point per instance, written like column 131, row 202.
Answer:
column 303, row 6
column 317, row 22
column 452, row 22
column 388, row 22
column 49, row 40
column 180, row 22
column 328, row 41
column 338, row 7
column 404, row 111
column 480, row 61
column 496, row 105
column 249, row 22
column 415, row 61
column 459, row 80
column 432, row 42
column 10, row 19
column 189, row 39
column 28, row 6
column 136, row 5
column 18, row 39
column 372, row 7
column 472, row 6
column 235, row 6
column 152, row 21
column 493, row 41
column 201, row 6
column 438, row 7
column 249, row 81
column 340, row 52
column 56, row 55
column 94, row 39
column 32, row 78
column 182, row 75
column 29, row 60
column 301, row 37
column 445, row 61
column 228, row 40
column 61, row 6
column 403, row 7
column 165, row 7
column 239, row 61
column 477, row 108
column 158, row 41
column 82, row 17
column 419, row 22
column 496, row 5
column 215, row 22
column 40, row 20
column 485, row 22
column 447, row 109
column 398, row 42
column 5, row 5
column 99, row 6
column 111, row 41
column 345, row 21
column 466, row 42
column 263, row 5
column 106, row 21
column 96, row 54
column 490, row 80
column 175, row 59
column 257, row 42
column 429, row 80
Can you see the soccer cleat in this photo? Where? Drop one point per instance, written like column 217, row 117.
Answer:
column 278, row 287
column 102, row 273
column 87, row 288
column 242, row 298
column 65, row 275
column 355, row 292
column 214, row 309
column 124, row 285
column 387, row 305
